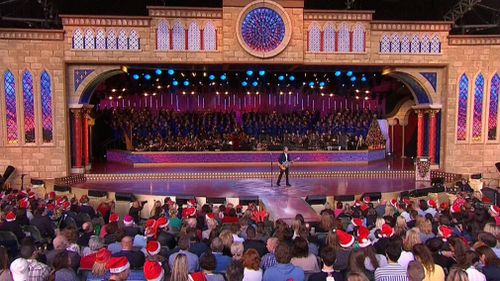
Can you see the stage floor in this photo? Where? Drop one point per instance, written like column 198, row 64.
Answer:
column 233, row 182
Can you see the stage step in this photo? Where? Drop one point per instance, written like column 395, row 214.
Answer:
column 286, row 207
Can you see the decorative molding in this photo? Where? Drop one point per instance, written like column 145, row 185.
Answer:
column 474, row 40
column 411, row 26
column 31, row 34
column 431, row 77
column 70, row 20
column 80, row 75
column 338, row 15
column 178, row 12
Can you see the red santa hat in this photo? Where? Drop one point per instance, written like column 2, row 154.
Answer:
column 387, row 230
column 407, row 201
column 52, row 195
column 367, row 199
column 31, row 195
column 456, row 208
column 394, row 202
column 364, row 208
column 10, row 216
column 66, row 205
column 117, row 265
column 445, row 232
column 494, row 210
column 191, row 203
column 162, row 222
column 84, row 199
column 24, row 203
column 150, row 223
column 150, row 232
column 103, row 255
column 432, row 203
column 60, row 201
column 51, row 206
column 153, row 247
column 345, row 239
column 189, row 212
column 153, row 271
column 444, row 206
column 114, row 218
column 363, row 240
column 128, row 220
column 357, row 222
column 357, row 202
column 210, row 216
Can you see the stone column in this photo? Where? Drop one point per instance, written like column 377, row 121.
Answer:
column 420, row 133
column 86, row 139
column 432, row 135
column 77, row 136
column 403, row 141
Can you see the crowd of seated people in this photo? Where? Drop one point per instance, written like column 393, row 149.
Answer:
column 167, row 130
column 402, row 239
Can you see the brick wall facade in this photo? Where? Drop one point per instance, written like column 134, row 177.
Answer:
column 54, row 51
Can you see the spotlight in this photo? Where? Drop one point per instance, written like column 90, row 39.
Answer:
column 338, row 73
column 248, row 93
column 123, row 90
column 158, row 87
column 175, row 83
column 119, row 97
column 257, row 93
column 357, row 90
column 183, row 92
column 110, row 98
column 158, row 71
column 290, row 93
column 171, row 72
column 311, row 84
column 146, row 94
column 281, row 77
column 363, row 79
column 349, row 73
column 192, row 92
column 154, row 94
column 147, row 76
column 353, row 78
column 186, row 83
column 262, row 72
column 331, row 94
column 321, row 84
column 357, row 97
column 322, row 94
column 113, row 90
column 223, row 77
column 255, row 83
column 244, row 83
column 292, row 78
column 211, row 77
column 226, row 93
column 217, row 93
column 249, row 72
column 281, row 93
column 367, row 91
column 135, row 76
column 367, row 98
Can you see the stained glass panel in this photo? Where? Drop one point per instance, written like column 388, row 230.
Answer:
column 194, row 40
column 329, row 38
column 385, row 44
column 344, row 40
column 100, row 40
column 415, row 44
column 134, row 41
column 29, row 108
column 435, row 45
column 395, row 44
column 263, row 29
column 210, row 37
column 163, row 36
column 463, row 95
column 178, row 37
column 478, row 108
column 111, row 41
column 10, row 106
column 46, row 100
column 358, row 38
column 89, row 39
column 122, row 41
column 493, row 108
column 314, row 43
column 405, row 44
column 425, row 45
column 77, row 39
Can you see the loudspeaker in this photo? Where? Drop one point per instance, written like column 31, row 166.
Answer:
column 124, row 196
column 476, row 176
column 216, row 200
column 374, row 196
column 343, row 198
column 62, row 188
column 182, row 200
column 437, row 181
column 244, row 201
column 316, row 199
column 37, row 182
column 97, row 193
column 425, row 191
column 492, row 194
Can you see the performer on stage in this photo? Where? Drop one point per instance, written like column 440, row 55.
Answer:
column 283, row 163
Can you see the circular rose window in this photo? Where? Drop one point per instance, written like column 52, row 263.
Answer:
column 263, row 29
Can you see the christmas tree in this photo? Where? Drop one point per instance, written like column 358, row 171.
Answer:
column 375, row 139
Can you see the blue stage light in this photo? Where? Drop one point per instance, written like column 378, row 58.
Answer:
column 135, row 76
column 170, row 72
column 158, row 71
column 211, row 77
column 186, row 83
column 175, row 83
column 363, row 79
column 249, row 72
column 244, row 83
column 338, row 73
column 262, row 72
column 292, row 78
column 311, row 84
column 349, row 73
column 281, row 77
column 255, row 83
column 321, row 84
column 147, row 76
column 223, row 77
column 353, row 78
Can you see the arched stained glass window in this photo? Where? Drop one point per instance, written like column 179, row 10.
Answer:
column 89, row 39
column 493, row 108
column 329, row 38
column 194, row 40
column 435, row 45
column 46, row 101
column 463, row 96
column 415, row 45
column 163, row 36
column 344, row 38
column 314, row 43
column 395, row 44
column 405, row 44
column 477, row 116
column 100, row 39
column 29, row 108
column 10, row 106
column 111, row 42
column 77, row 39
column 358, row 39
column 210, row 37
column 385, row 44
column 425, row 45
column 134, row 41
column 122, row 40
column 179, row 37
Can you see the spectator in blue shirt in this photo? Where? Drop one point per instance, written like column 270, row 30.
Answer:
column 283, row 270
